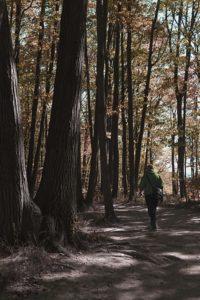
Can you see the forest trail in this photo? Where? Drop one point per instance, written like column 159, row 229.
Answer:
column 135, row 263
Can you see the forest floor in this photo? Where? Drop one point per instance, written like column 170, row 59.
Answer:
column 124, row 262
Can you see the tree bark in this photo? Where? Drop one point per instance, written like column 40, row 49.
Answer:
column 87, row 73
column 80, row 197
column 115, row 114
column 36, row 94
column 146, row 95
column 102, row 6
column 130, row 115
column 15, row 205
column 49, row 76
column 57, row 194
column 123, row 117
column 174, row 180
column 93, row 165
column 17, row 31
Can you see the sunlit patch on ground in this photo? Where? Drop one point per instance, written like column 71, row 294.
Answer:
column 182, row 256
column 131, row 263
column 195, row 220
column 192, row 270
column 183, row 232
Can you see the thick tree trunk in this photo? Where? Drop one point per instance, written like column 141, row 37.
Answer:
column 15, row 206
column 101, row 109
column 57, row 194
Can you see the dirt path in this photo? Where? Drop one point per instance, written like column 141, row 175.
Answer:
column 135, row 264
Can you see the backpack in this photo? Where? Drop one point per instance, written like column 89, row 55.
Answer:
column 157, row 192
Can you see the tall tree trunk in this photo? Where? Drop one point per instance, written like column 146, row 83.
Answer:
column 49, row 76
column 179, row 98
column 102, row 6
column 182, row 132
column 146, row 94
column 174, row 180
column 87, row 73
column 36, row 94
column 123, row 117
column 93, row 137
column 93, row 165
column 147, row 155
column 115, row 114
column 108, row 84
column 57, row 194
column 15, row 205
column 192, row 159
column 85, row 153
column 37, row 153
column 130, row 115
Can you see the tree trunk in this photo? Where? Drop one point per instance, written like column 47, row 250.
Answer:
column 80, row 198
column 37, row 153
column 130, row 115
column 17, row 31
column 146, row 95
column 57, row 194
column 192, row 159
column 85, row 154
column 182, row 131
column 49, row 76
column 147, row 155
column 123, row 116
column 101, row 109
column 93, row 166
column 36, row 94
column 87, row 73
column 174, row 181
column 115, row 115
column 15, row 205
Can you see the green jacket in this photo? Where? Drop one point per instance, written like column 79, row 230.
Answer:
column 155, row 180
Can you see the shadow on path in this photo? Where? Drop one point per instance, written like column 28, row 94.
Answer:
column 136, row 264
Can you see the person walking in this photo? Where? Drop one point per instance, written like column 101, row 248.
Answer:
column 152, row 185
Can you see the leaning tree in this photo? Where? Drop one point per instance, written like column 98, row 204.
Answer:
column 16, row 209
column 57, row 194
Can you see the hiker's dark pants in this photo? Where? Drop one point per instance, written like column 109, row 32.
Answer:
column 152, row 204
